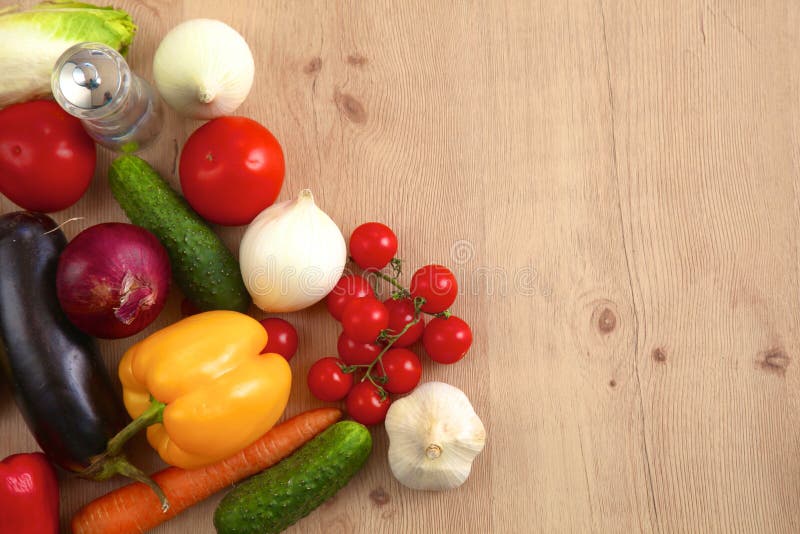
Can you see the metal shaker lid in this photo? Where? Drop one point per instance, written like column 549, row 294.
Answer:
column 88, row 77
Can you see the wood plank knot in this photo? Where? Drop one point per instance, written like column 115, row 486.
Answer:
column 774, row 360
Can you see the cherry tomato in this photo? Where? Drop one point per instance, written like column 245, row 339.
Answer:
column 364, row 318
column 403, row 370
column 281, row 337
column 364, row 404
column 348, row 287
column 447, row 340
column 47, row 159
column 231, row 169
column 437, row 285
column 356, row 353
column 401, row 312
column 373, row 245
column 188, row 308
column 327, row 381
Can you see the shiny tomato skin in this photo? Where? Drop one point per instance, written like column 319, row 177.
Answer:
column 373, row 245
column 47, row 159
column 349, row 287
column 281, row 337
column 354, row 352
column 401, row 312
column 437, row 285
column 447, row 340
column 327, row 381
column 231, row 169
column 364, row 404
column 403, row 370
column 364, row 318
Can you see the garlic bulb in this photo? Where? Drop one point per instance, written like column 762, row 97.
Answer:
column 291, row 255
column 203, row 68
column 434, row 434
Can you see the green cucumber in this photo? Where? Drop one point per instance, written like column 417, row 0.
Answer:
column 282, row 495
column 202, row 265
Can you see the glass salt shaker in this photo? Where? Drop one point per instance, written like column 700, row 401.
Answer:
column 118, row 109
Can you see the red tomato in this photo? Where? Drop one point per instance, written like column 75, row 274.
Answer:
column 364, row 404
column 437, row 285
column 188, row 308
column 401, row 312
column 447, row 340
column 47, row 160
column 403, row 370
column 231, row 169
column 373, row 245
column 364, row 318
column 327, row 381
column 356, row 353
column 281, row 337
column 348, row 287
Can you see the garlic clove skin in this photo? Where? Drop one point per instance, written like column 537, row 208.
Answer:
column 291, row 255
column 203, row 69
column 434, row 435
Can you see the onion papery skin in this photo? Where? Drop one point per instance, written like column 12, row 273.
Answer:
column 113, row 280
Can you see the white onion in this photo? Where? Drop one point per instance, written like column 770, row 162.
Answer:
column 203, row 69
column 291, row 255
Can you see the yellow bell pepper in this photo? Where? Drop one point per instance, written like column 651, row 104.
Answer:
column 202, row 388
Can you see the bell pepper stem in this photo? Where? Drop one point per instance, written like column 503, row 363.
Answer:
column 113, row 462
column 152, row 415
column 119, row 465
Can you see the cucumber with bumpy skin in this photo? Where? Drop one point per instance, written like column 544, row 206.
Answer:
column 282, row 495
column 202, row 265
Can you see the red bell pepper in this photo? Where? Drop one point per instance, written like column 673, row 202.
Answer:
column 28, row 495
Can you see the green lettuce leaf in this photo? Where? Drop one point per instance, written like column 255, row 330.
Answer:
column 31, row 41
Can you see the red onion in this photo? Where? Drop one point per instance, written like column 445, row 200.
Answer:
column 113, row 280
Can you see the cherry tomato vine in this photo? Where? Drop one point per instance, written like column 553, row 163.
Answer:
column 373, row 347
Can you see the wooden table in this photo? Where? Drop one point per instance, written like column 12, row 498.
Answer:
column 615, row 185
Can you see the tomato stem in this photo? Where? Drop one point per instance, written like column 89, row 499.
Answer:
column 418, row 302
column 380, row 389
column 403, row 291
column 397, row 267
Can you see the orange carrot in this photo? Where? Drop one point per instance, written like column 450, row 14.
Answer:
column 135, row 508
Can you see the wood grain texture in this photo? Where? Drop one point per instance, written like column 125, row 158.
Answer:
column 615, row 184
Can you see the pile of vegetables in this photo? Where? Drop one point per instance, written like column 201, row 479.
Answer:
column 58, row 380
column 135, row 508
column 202, row 265
column 209, row 389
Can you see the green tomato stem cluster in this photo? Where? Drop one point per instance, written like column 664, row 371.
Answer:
column 400, row 293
